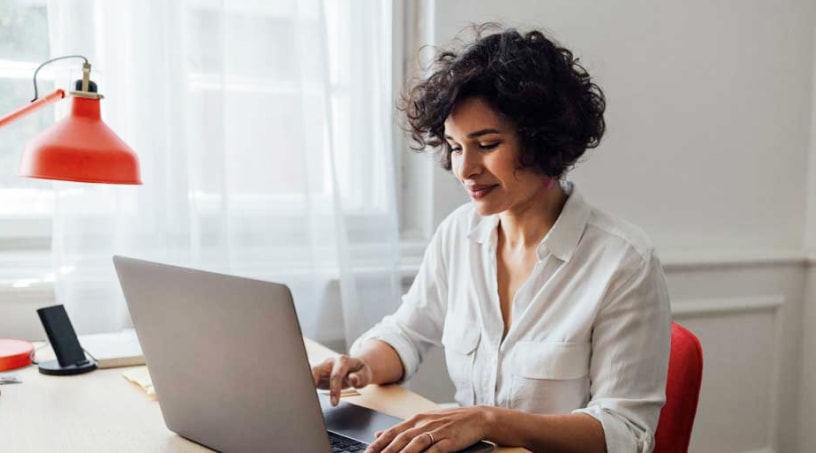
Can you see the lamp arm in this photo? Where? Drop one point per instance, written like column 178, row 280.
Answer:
column 34, row 105
column 86, row 70
column 58, row 94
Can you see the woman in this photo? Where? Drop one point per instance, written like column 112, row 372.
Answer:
column 554, row 316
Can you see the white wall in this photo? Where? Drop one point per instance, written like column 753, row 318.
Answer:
column 807, row 385
column 708, row 148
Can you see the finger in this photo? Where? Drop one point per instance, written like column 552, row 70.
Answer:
column 357, row 374
column 421, row 441
column 381, row 441
column 337, row 378
column 325, row 372
column 358, row 379
column 385, row 438
column 442, row 446
column 406, row 441
column 320, row 373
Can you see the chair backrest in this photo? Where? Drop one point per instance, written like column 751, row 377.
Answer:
column 682, row 392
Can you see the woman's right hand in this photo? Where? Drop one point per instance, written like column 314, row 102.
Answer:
column 340, row 372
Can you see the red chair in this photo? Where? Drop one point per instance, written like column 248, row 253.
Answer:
column 682, row 392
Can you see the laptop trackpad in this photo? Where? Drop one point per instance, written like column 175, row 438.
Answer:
column 356, row 422
column 360, row 423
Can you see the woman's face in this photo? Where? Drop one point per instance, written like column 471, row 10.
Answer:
column 484, row 158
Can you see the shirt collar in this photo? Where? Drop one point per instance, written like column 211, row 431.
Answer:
column 483, row 231
column 563, row 237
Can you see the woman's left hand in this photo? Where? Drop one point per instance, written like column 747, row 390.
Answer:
column 436, row 432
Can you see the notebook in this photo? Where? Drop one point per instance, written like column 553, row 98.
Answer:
column 113, row 349
column 228, row 363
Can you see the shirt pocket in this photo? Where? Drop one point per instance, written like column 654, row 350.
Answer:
column 550, row 377
column 461, row 341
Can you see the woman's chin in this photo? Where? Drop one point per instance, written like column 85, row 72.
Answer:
column 484, row 209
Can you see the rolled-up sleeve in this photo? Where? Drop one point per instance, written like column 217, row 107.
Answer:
column 630, row 354
column 417, row 324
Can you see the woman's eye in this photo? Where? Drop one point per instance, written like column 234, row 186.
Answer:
column 489, row 145
column 455, row 149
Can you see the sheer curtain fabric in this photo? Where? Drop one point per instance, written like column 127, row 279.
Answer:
column 264, row 130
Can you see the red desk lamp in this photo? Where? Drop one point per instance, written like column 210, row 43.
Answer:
column 78, row 148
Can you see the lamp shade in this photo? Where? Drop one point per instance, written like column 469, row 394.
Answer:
column 81, row 148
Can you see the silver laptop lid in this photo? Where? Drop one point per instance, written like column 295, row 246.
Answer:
column 208, row 340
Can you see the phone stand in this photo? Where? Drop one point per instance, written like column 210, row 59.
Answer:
column 70, row 356
column 53, row 367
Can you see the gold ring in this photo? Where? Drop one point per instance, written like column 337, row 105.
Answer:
column 433, row 441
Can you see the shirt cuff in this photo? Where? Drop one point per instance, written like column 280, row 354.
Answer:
column 621, row 435
column 388, row 332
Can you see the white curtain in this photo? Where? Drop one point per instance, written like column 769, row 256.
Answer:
column 264, row 131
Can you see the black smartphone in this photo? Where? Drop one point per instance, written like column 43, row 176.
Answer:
column 61, row 335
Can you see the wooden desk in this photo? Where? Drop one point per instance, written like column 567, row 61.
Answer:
column 102, row 412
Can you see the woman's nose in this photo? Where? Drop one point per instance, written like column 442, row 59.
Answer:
column 469, row 164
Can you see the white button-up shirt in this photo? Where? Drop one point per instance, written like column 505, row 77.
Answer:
column 590, row 326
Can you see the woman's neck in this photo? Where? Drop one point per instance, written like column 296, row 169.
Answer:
column 525, row 226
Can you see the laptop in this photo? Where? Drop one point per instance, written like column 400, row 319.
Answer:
column 228, row 363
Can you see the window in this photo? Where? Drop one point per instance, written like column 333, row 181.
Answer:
column 25, row 204
column 262, row 84
column 362, row 60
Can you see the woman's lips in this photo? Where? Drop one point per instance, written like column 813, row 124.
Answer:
column 479, row 192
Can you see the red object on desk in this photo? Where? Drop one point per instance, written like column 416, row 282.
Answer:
column 14, row 354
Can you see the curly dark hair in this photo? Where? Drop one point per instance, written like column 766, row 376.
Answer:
column 526, row 78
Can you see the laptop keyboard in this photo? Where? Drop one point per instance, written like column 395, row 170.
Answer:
column 342, row 444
